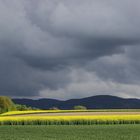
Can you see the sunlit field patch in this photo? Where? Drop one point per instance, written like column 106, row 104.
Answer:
column 43, row 111
column 66, row 111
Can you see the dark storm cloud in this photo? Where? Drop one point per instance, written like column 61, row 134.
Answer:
column 75, row 55
column 44, row 43
column 122, row 68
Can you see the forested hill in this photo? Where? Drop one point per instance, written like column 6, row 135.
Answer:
column 94, row 102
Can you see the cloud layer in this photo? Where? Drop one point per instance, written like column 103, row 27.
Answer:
column 69, row 49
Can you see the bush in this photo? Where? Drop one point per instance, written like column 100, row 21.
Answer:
column 24, row 108
column 21, row 107
column 54, row 108
column 6, row 104
column 80, row 107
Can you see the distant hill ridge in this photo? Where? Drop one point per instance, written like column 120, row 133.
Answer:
column 94, row 102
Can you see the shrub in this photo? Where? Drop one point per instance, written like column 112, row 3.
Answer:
column 80, row 107
column 6, row 104
column 54, row 108
column 24, row 108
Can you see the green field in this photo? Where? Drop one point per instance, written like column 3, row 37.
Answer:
column 94, row 132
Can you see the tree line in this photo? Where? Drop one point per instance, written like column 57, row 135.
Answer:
column 6, row 104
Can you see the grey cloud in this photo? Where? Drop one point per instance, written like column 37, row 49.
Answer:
column 43, row 41
column 121, row 68
column 96, row 19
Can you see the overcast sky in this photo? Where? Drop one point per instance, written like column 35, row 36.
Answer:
column 69, row 48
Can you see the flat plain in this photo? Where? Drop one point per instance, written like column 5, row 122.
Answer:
column 80, row 114
column 65, row 132
column 110, row 131
column 70, row 117
column 73, row 112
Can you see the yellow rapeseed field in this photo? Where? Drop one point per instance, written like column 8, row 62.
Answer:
column 70, row 120
column 65, row 111
column 42, row 111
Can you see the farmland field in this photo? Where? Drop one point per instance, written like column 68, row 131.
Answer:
column 70, row 125
column 96, row 132
column 72, row 117
column 74, row 112
column 77, row 113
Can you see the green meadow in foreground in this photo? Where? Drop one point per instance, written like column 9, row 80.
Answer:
column 94, row 132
